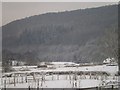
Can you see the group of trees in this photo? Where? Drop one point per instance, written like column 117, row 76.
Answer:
column 52, row 34
column 7, row 57
column 108, row 46
column 110, row 43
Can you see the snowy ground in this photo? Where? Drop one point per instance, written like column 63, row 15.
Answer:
column 63, row 81
column 101, row 68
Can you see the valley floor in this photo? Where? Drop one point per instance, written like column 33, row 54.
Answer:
column 106, row 77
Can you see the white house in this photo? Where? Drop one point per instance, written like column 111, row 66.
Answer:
column 17, row 63
column 109, row 61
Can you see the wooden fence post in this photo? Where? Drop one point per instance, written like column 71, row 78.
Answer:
column 26, row 78
column 14, row 80
column 29, row 88
column 5, row 84
column 22, row 79
column 112, row 87
column 38, row 85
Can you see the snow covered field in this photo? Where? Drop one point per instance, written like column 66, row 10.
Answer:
column 43, row 78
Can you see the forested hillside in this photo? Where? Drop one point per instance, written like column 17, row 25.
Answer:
column 79, row 36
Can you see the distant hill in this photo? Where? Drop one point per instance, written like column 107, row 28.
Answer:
column 64, row 36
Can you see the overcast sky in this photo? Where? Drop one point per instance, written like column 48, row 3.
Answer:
column 16, row 10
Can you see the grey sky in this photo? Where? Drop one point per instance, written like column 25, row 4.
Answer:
column 17, row 10
column 0, row 13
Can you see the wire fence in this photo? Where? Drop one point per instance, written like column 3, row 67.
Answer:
column 74, row 80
